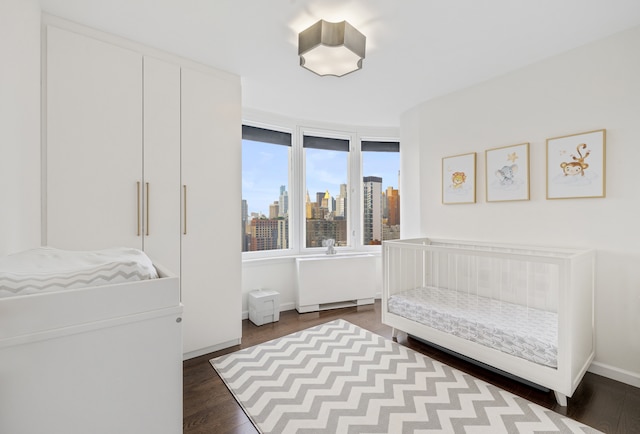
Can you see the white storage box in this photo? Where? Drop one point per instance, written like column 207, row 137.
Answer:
column 264, row 306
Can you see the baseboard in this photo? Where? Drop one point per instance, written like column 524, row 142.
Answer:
column 621, row 375
column 211, row 349
column 283, row 307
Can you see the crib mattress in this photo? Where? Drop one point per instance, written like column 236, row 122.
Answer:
column 47, row 269
column 531, row 334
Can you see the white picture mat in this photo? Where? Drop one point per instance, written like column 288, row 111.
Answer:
column 459, row 179
column 507, row 173
column 586, row 182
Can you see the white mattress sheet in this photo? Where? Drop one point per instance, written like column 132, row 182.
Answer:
column 47, row 269
column 531, row 334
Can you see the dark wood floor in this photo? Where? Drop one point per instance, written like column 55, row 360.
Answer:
column 605, row 404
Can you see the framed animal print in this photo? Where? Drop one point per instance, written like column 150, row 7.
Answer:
column 459, row 179
column 576, row 165
column 507, row 173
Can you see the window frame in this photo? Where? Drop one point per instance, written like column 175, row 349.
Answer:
column 297, row 179
column 380, row 139
column 290, row 249
column 302, row 232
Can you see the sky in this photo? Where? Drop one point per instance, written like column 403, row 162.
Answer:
column 265, row 169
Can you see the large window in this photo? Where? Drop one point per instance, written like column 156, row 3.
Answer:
column 265, row 195
column 380, row 191
column 300, row 190
column 327, row 173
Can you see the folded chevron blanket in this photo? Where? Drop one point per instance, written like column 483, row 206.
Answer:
column 48, row 269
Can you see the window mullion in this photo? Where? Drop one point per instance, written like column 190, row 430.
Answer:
column 298, row 191
column 355, row 201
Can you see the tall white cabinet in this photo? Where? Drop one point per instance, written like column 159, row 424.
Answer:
column 211, row 137
column 93, row 147
column 160, row 186
column 142, row 149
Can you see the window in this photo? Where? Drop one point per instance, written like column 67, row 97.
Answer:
column 380, row 191
column 303, row 185
column 265, row 197
column 326, row 182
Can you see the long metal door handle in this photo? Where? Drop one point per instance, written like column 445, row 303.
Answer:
column 138, row 207
column 184, row 196
column 147, row 212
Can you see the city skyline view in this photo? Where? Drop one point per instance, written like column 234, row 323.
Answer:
column 265, row 169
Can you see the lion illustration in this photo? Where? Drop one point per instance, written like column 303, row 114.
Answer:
column 458, row 179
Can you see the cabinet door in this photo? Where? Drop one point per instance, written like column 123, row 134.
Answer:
column 161, row 210
column 211, row 170
column 93, row 142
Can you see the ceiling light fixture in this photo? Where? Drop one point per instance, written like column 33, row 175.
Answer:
column 331, row 48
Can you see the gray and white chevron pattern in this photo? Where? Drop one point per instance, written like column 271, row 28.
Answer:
column 46, row 269
column 339, row 378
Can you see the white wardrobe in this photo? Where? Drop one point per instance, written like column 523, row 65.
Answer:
column 143, row 149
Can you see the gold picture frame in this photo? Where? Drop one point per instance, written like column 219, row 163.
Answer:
column 576, row 166
column 459, row 179
column 507, row 173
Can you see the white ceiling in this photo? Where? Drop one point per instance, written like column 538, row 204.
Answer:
column 416, row 49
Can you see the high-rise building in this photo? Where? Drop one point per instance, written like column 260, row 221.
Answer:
column 283, row 234
column 245, row 221
column 308, row 207
column 322, row 229
column 393, row 206
column 341, row 202
column 372, row 207
column 245, row 210
column 317, row 210
column 385, row 210
column 274, row 210
column 326, row 202
column 391, row 232
column 283, row 201
column 264, row 234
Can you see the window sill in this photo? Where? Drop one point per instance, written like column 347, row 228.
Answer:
column 293, row 257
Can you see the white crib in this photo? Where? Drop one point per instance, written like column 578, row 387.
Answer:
column 525, row 310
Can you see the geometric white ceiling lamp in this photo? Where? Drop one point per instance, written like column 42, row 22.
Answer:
column 331, row 48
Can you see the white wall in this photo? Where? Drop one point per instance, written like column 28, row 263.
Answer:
column 592, row 87
column 279, row 274
column 410, row 175
column 19, row 125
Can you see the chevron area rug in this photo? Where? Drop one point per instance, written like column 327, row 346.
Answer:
column 339, row 378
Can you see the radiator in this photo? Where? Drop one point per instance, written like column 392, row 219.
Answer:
column 330, row 282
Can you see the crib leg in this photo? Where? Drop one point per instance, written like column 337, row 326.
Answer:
column 394, row 334
column 561, row 398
